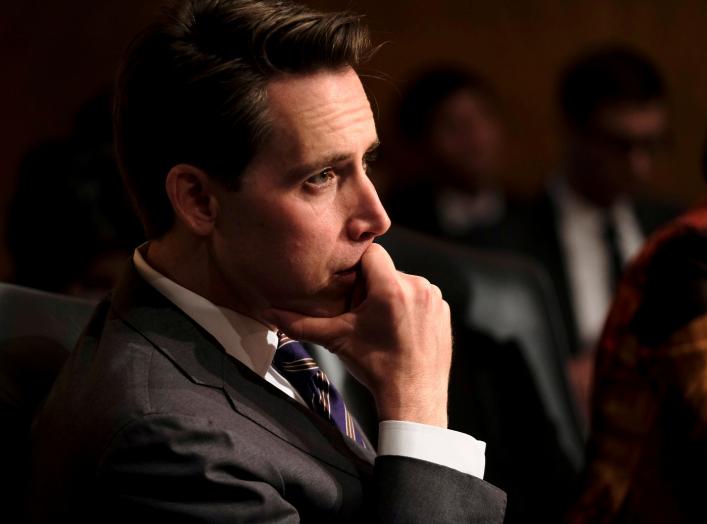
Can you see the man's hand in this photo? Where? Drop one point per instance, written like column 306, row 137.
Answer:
column 397, row 341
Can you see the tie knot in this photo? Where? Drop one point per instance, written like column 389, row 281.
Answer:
column 289, row 350
column 282, row 338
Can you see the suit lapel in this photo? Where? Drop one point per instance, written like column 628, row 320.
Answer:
column 204, row 361
column 554, row 257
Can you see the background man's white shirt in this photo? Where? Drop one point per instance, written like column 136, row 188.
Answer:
column 587, row 260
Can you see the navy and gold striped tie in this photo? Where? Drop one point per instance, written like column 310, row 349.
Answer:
column 295, row 364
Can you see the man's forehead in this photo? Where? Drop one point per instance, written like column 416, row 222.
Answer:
column 336, row 83
column 320, row 103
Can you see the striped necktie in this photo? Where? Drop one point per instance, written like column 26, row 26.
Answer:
column 613, row 250
column 294, row 363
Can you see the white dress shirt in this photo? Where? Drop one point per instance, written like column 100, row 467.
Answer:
column 587, row 260
column 253, row 344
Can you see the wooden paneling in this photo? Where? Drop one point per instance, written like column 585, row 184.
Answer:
column 54, row 55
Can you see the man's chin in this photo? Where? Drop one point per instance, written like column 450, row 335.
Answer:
column 327, row 302
column 323, row 308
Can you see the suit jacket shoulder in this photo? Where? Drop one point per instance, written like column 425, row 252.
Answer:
column 151, row 417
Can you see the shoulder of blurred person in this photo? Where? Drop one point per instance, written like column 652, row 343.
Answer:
column 70, row 207
column 412, row 205
column 649, row 428
column 530, row 224
column 444, row 212
column 653, row 213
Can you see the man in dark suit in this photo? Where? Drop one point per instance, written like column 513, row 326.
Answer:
column 451, row 137
column 591, row 220
column 243, row 133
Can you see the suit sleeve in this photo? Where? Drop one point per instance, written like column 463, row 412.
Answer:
column 415, row 491
column 180, row 469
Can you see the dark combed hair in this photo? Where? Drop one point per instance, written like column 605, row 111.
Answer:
column 608, row 76
column 429, row 89
column 192, row 88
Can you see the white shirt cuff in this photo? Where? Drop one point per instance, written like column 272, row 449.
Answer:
column 441, row 446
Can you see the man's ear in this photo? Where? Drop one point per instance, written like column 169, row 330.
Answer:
column 191, row 192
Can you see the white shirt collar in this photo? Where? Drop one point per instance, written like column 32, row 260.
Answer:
column 244, row 338
column 582, row 216
column 571, row 203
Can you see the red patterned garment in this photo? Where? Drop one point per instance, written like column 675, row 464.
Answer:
column 647, row 452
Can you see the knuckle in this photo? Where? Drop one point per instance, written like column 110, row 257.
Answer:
column 420, row 287
column 393, row 292
column 447, row 311
column 424, row 282
column 421, row 282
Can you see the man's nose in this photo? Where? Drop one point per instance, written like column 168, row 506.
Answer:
column 368, row 217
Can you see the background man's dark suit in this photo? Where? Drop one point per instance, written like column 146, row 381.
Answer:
column 150, row 416
column 532, row 229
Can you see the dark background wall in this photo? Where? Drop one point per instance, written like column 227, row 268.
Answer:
column 54, row 55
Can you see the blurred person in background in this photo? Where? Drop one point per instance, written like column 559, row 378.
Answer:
column 647, row 451
column 449, row 152
column 452, row 139
column 591, row 220
column 450, row 147
column 70, row 226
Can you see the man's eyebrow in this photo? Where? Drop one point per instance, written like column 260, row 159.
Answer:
column 333, row 159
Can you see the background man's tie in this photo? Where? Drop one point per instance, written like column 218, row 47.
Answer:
column 613, row 250
column 295, row 364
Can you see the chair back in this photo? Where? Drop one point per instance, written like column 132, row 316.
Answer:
column 509, row 297
column 37, row 332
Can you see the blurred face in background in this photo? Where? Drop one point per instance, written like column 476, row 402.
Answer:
column 618, row 152
column 465, row 141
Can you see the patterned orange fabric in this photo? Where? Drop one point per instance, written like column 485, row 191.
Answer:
column 647, row 452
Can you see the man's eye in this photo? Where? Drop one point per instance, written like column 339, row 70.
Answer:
column 321, row 179
column 368, row 161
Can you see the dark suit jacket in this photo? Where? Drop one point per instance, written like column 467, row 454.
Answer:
column 150, row 417
column 531, row 229
column 415, row 207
